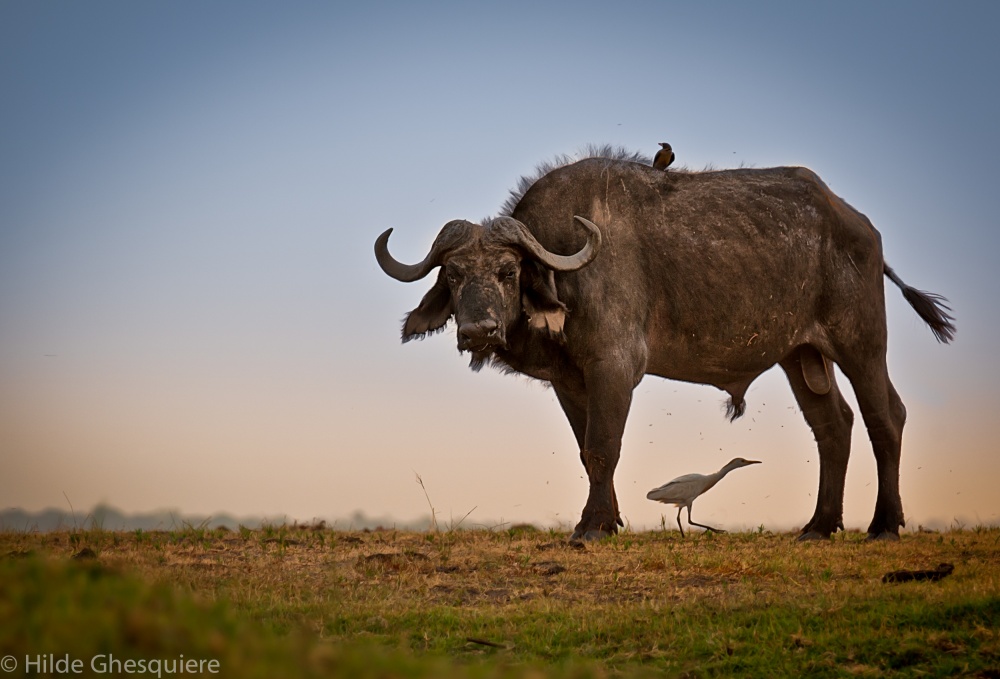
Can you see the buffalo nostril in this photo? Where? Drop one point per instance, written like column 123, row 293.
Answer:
column 478, row 330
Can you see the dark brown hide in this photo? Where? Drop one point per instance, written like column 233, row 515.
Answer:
column 712, row 278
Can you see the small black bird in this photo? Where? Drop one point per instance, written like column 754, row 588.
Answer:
column 663, row 157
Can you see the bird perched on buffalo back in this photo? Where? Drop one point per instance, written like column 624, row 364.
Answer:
column 663, row 157
column 683, row 490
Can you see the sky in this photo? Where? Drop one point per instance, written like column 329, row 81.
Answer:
column 191, row 315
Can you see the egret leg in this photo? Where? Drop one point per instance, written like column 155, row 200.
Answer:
column 679, row 519
column 701, row 525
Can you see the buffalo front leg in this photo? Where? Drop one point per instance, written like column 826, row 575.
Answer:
column 831, row 420
column 574, row 405
column 609, row 397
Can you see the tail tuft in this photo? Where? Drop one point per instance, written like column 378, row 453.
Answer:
column 934, row 311
column 929, row 306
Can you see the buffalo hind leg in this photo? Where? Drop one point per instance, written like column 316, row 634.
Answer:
column 831, row 420
column 884, row 415
column 575, row 409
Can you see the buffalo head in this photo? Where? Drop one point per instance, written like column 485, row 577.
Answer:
column 490, row 274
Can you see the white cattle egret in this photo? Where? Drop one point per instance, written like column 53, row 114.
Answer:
column 682, row 491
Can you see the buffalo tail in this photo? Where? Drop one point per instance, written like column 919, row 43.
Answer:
column 929, row 306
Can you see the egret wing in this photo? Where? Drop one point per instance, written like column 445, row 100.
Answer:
column 678, row 490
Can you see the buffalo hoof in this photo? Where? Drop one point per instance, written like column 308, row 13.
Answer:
column 812, row 535
column 884, row 536
column 589, row 536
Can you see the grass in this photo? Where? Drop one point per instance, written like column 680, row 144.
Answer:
column 308, row 601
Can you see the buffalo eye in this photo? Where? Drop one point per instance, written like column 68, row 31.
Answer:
column 508, row 275
column 454, row 276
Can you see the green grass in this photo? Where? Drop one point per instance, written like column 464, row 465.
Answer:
column 299, row 602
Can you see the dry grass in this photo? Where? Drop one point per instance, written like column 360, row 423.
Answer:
column 705, row 605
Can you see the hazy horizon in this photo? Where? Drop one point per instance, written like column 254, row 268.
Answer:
column 110, row 518
column 191, row 315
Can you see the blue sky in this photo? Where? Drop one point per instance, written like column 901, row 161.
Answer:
column 191, row 315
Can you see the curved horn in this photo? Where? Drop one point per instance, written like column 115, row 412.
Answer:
column 447, row 239
column 563, row 262
column 514, row 231
column 406, row 273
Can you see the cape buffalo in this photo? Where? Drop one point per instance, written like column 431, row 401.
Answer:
column 708, row 277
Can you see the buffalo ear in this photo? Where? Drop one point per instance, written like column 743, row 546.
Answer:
column 431, row 314
column 539, row 299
